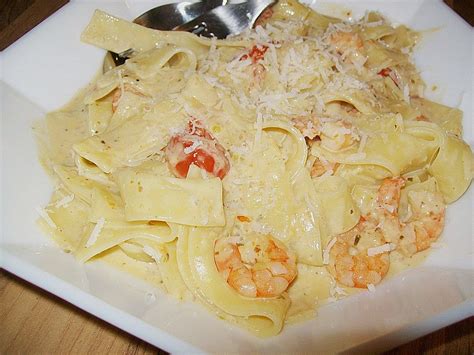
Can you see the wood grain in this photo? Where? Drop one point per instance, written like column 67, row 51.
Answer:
column 17, row 17
column 34, row 321
column 465, row 8
column 41, row 323
column 455, row 339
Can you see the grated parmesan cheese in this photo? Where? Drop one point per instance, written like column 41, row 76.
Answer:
column 406, row 93
column 327, row 250
column 400, row 123
column 192, row 147
column 371, row 287
column 95, row 232
column 340, row 291
column 44, row 214
column 259, row 129
column 363, row 142
column 64, row 201
column 151, row 252
column 380, row 249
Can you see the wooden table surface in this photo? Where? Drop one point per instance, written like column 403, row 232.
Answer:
column 41, row 323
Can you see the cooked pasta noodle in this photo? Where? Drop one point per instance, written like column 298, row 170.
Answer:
column 263, row 174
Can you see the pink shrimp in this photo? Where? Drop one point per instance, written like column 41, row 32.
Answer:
column 425, row 224
column 320, row 168
column 360, row 256
column 260, row 267
column 196, row 146
column 349, row 46
column 351, row 261
column 386, row 211
column 117, row 94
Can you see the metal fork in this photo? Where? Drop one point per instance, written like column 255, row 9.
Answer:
column 219, row 22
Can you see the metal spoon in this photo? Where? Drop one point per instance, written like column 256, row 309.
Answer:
column 165, row 18
column 227, row 20
column 169, row 16
column 220, row 21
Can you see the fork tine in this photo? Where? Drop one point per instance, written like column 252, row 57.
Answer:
column 126, row 54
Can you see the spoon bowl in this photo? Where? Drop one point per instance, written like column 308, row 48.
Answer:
column 165, row 18
column 214, row 18
column 169, row 16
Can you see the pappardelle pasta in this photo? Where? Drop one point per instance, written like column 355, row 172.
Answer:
column 262, row 175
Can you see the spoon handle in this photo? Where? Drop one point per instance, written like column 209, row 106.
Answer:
column 211, row 4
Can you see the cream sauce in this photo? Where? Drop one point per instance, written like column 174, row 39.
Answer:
column 318, row 287
column 147, row 272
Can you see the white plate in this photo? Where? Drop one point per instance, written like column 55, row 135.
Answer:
column 46, row 67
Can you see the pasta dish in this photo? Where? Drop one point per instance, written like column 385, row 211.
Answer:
column 263, row 175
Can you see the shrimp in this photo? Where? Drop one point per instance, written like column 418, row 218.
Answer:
column 424, row 225
column 349, row 46
column 333, row 135
column 309, row 126
column 259, row 73
column 264, row 17
column 426, row 222
column 386, row 210
column 260, row 267
column 117, row 95
column 337, row 135
column 359, row 257
column 388, row 195
column 392, row 74
column 321, row 167
column 256, row 53
column 196, row 146
column 343, row 40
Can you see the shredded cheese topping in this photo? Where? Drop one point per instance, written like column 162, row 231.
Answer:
column 44, row 214
column 95, row 232
column 381, row 249
column 327, row 250
column 64, row 201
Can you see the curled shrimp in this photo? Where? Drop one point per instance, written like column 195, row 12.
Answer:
column 349, row 46
column 385, row 213
column 426, row 222
column 333, row 135
column 118, row 92
column 358, row 257
column 260, row 267
column 321, row 167
column 388, row 195
column 264, row 17
column 259, row 73
column 423, row 227
column 344, row 40
column 337, row 135
column 196, row 146
column 309, row 126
